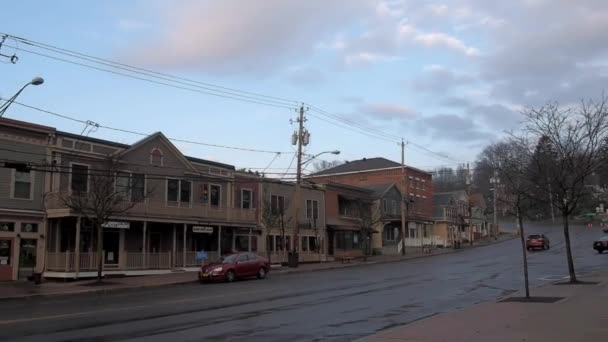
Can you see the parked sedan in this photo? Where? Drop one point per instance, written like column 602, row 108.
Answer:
column 234, row 266
column 539, row 241
column 601, row 244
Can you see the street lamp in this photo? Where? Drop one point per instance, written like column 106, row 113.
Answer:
column 495, row 181
column 35, row 81
column 293, row 260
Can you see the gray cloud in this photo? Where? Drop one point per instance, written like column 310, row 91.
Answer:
column 387, row 111
column 452, row 127
column 439, row 79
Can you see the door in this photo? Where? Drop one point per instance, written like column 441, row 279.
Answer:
column 330, row 242
column 242, row 266
column 6, row 259
column 252, row 264
column 27, row 258
column 110, row 247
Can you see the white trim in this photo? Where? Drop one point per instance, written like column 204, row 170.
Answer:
column 12, row 186
column 162, row 156
column 250, row 198
column 220, row 194
column 88, row 178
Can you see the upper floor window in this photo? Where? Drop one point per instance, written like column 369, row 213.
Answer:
column 23, row 184
column 385, row 206
column 423, row 185
column 215, row 196
column 277, row 204
column 346, row 208
column 131, row 185
column 156, row 157
column 312, row 209
column 79, row 178
column 179, row 190
column 246, row 199
column 394, row 207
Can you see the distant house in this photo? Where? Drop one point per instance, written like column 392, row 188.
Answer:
column 416, row 186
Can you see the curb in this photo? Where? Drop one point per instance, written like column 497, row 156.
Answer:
column 278, row 273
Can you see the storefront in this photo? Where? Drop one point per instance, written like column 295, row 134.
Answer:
column 22, row 239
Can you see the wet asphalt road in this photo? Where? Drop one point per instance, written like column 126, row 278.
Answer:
column 337, row 305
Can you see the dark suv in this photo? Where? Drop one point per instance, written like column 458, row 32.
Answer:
column 539, row 241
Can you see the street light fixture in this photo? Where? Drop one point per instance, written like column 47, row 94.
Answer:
column 35, row 81
column 336, row 152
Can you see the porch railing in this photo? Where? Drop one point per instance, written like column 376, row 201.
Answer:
column 158, row 260
column 427, row 241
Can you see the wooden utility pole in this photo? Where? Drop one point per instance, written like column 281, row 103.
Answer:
column 469, row 209
column 403, row 198
column 293, row 262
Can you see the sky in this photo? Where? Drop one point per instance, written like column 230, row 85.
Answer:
column 447, row 76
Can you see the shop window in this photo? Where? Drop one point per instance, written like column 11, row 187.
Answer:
column 5, row 252
column 254, row 243
column 312, row 244
column 7, row 227
column 22, row 185
column 389, row 234
column 29, row 227
column 270, row 246
column 304, row 240
column 242, row 243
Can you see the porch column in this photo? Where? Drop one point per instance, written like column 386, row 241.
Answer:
column 184, row 246
column 174, row 248
column 144, row 247
column 219, row 241
column 122, row 253
column 249, row 250
column 233, row 239
column 77, row 248
column 57, row 236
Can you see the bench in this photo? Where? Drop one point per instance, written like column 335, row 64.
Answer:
column 346, row 259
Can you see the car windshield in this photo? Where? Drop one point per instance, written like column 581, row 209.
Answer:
column 228, row 259
column 534, row 236
column 604, row 238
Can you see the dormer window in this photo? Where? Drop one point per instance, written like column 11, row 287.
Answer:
column 156, row 157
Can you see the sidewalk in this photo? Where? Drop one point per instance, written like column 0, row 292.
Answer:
column 580, row 314
column 23, row 289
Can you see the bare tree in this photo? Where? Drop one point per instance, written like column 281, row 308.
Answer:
column 273, row 217
column 324, row 164
column 575, row 140
column 100, row 194
column 513, row 162
column 369, row 215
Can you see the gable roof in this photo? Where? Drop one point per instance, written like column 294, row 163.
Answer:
column 364, row 164
column 209, row 162
column 93, row 140
column 380, row 189
column 162, row 137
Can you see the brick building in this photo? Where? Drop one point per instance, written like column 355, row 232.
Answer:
column 416, row 185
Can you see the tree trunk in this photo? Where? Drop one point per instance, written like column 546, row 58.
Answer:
column 99, row 251
column 568, row 248
column 523, row 249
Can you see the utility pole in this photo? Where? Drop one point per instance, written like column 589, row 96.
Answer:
column 403, row 198
column 469, row 209
column 302, row 138
column 495, row 182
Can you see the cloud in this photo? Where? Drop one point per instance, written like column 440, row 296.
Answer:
column 438, row 78
column 387, row 111
column 436, row 39
column 233, row 36
column 452, row 127
column 305, row 76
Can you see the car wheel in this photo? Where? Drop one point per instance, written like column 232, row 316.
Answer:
column 600, row 251
column 529, row 249
column 230, row 276
column 261, row 273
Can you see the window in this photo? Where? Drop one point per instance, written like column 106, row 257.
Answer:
column 385, row 206
column 80, row 178
column 279, row 243
column 348, row 240
column 172, row 190
column 138, row 187
column 5, row 252
column 123, row 180
column 312, row 244
column 394, row 207
column 304, row 243
column 345, row 208
column 22, row 186
column 246, row 199
column 185, row 191
column 277, row 204
column 252, row 256
column 423, row 185
column 156, row 157
column 312, row 209
column 242, row 258
column 270, row 246
column 389, row 234
column 7, row 227
column 215, row 194
column 288, row 243
column 254, row 243
column 29, row 227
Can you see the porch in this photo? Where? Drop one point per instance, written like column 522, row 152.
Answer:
column 138, row 247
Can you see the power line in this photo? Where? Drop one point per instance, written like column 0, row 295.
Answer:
column 95, row 59
column 145, row 134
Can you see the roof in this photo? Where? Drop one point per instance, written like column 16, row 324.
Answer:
column 26, row 125
column 209, row 162
column 477, row 200
column 94, row 140
column 348, row 187
column 379, row 189
column 442, row 198
column 364, row 164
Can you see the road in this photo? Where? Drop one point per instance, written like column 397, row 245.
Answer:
column 337, row 305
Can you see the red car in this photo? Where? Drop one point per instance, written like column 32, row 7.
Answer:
column 234, row 266
column 537, row 241
column 601, row 244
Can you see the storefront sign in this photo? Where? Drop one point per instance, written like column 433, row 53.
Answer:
column 202, row 229
column 116, row 225
column 202, row 255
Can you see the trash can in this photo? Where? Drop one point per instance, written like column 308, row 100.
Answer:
column 292, row 259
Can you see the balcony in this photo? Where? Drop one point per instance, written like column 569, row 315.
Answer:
column 174, row 210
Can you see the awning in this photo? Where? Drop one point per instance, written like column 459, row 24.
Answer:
column 341, row 227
